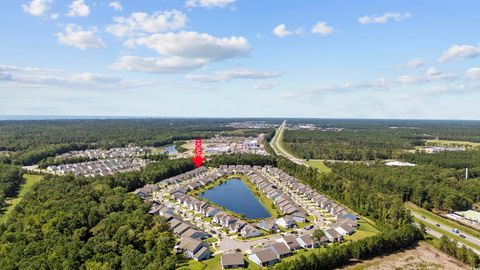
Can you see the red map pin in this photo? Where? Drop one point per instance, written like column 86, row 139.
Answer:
column 198, row 159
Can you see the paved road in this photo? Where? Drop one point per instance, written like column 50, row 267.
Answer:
column 436, row 234
column 276, row 144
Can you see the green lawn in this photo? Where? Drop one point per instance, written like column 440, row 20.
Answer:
column 318, row 164
column 30, row 180
column 449, row 143
column 212, row 263
column 414, row 208
column 365, row 230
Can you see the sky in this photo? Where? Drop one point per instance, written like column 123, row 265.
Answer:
column 400, row 59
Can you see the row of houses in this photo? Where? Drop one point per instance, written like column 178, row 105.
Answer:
column 184, row 176
column 190, row 242
column 284, row 203
column 99, row 167
column 218, row 217
column 123, row 152
column 345, row 222
column 271, row 253
column 299, row 189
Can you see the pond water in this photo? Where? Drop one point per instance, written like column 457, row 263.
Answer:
column 235, row 196
column 170, row 149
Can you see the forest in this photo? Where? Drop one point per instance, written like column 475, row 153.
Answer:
column 89, row 223
column 426, row 186
column 372, row 139
column 10, row 179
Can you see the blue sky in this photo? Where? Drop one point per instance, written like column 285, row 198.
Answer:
column 239, row 58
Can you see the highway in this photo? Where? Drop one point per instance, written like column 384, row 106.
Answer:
column 443, row 227
column 276, row 144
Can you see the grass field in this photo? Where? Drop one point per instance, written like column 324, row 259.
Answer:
column 412, row 207
column 365, row 230
column 30, row 180
column 318, row 164
column 453, row 143
column 212, row 263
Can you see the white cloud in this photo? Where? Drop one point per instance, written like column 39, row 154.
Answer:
column 116, row 5
column 193, row 45
column 414, row 63
column 208, row 3
column 227, row 75
column 263, row 85
column 433, row 72
column 78, row 8
column 43, row 78
column 410, row 79
column 473, row 73
column 322, row 28
column 139, row 22
column 75, row 36
column 37, row 7
column 156, row 65
column 54, row 16
column 281, row 31
column 459, row 52
column 384, row 18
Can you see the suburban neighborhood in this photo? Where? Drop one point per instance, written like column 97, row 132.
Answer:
column 204, row 229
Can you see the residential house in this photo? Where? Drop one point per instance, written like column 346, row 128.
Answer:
column 268, row 225
column 264, row 257
column 280, row 249
column 194, row 248
column 307, row 241
column 291, row 242
column 286, row 222
column 249, row 231
column 333, row 235
column 181, row 228
column 232, row 260
column 344, row 229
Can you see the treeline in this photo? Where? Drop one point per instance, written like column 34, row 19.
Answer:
column 52, row 161
column 25, row 135
column 266, row 142
column 340, row 255
column 426, row 186
column 39, row 153
column 10, row 179
column 447, row 159
column 152, row 173
column 462, row 253
column 361, row 196
column 348, row 144
column 241, row 159
column 68, row 222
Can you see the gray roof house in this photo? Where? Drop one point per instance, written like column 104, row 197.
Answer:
column 286, row 222
column 250, row 231
column 291, row 242
column 281, row 249
column 333, row 235
column 307, row 241
column 268, row 225
column 194, row 249
column 232, row 260
column 264, row 257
